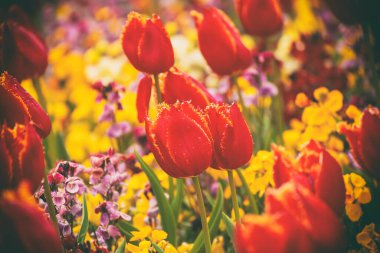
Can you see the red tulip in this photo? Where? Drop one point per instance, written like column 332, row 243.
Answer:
column 19, row 107
column 146, row 44
column 177, row 86
column 233, row 143
column 22, row 51
column 260, row 17
column 24, row 228
column 294, row 221
column 180, row 86
column 364, row 140
column 316, row 169
column 181, row 140
column 220, row 43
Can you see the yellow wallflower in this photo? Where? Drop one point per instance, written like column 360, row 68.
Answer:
column 368, row 238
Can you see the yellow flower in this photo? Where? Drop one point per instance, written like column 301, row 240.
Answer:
column 368, row 237
column 354, row 211
column 158, row 235
column 141, row 234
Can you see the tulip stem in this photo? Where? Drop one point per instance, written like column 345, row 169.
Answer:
column 252, row 200
column 40, row 95
column 233, row 195
column 158, row 90
column 202, row 209
column 240, row 96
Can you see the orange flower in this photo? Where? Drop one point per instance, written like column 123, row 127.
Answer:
column 316, row 169
column 22, row 51
column 146, row 44
column 22, row 122
column 181, row 140
column 295, row 220
column 220, row 43
column 233, row 143
column 364, row 140
column 23, row 227
column 260, row 17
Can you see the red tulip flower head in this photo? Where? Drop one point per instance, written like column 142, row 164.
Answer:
column 260, row 17
column 181, row 140
column 22, row 124
column 23, row 53
column 316, row 169
column 23, row 227
column 220, row 43
column 146, row 44
column 364, row 140
column 233, row 143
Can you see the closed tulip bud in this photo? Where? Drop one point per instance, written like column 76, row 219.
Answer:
column 220, row 43
column 181, row 140
column 20, row 107
column 316, row 169
column 23, row 53
column 23, row 227
column 260, row 17
column 178, row 86
column 364, row 140
column 233, row 143
column 146, row 44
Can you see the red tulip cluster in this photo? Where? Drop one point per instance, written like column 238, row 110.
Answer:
column 187, row 140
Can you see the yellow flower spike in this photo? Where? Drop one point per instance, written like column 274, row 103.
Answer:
column 185, row 248
column 302, row 100
column 354, row 211
column 368, row 237
column 354, row 113
column 142, row 204
column 335, row 144
column 158, row 235
column 139, row 220
column 170, row 249
column 144, row 244
column 357, row 180
column 320, row 94
column 133, row 248
column 142, row 234
column 217, row 245
column 241, row 211
column 365, row 196
column 334, row 101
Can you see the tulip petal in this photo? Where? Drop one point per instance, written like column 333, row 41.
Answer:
column 143, row 97
column 282, row 167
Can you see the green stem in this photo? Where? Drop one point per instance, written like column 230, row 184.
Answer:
column 374, row 75
column 252, row 202
column 241, row 100
column 233, row 195
column 158, row 90
column 171, row 188
column 40, row 95
column 202, row 209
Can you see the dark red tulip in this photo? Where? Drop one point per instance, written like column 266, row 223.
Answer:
column 181, row 140
column 220, row 43
column 23, row 53
column 233, row 143
column 178, row 86
column 24, row 228
column 17, row 106
column 364, row 140
column 260, row 17
column 295, row 219
column 316, row 169
column 146, row 44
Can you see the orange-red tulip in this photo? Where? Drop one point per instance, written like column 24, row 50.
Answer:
column 364, row 140
column 316, row 169
column 181, row 140
column 219, row 42
column 295, row 220
column 260, row 17
column 24, row 228
column 233, row 143
column 22, row 51
column 146, row 44
column 177, row 86
column 182, row 87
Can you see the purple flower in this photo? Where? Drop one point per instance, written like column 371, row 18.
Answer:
column 118, row 129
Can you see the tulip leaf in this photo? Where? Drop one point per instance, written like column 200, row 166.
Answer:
column 253, row 201
column 84, row 225
column 121, row 248
column 213, row 224
column 158, row 249
column 167, row 217
column 177, row 201
column 126, row 228
column 229, row 225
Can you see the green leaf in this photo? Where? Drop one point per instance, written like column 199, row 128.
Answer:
column 213, row 224
column 177, row 201
column 167, row 217
column 84, row 225
column 158, row 249
column 126, row 228
column 121, row 248
column 229, row 225
column 252, row 199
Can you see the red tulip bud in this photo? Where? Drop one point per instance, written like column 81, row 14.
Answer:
column 143, row 97
column 260, row 17
column 181, row 140
column 146, row 44
column 233, row 143
column 219, row 42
